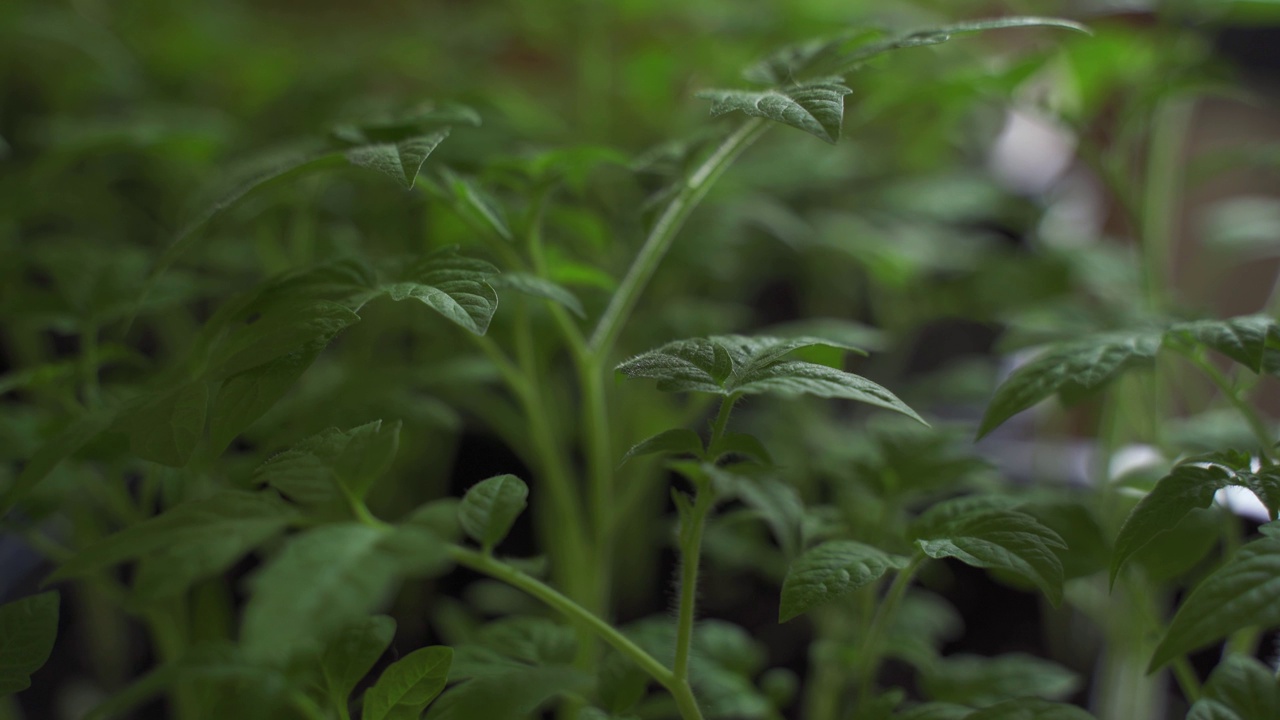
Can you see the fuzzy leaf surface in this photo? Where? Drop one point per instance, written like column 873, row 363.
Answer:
column 491, row 507
column 735, row 364
column 1003, row 540
column 402, row 160
column 815, row 107
column 28, row 629
column 351, row 653
column 829, row 571
column 192, row 541
column 457, row 287
column 409, row 684
column 1239, row 594
column 165, row 429
column 325, row 578
column 1240, row 688
column 1186, row 488
column 1070, row 371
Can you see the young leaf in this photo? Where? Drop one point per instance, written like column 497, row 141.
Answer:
column 402, row 160
column 491, row 507
column 679, row 441
column 748, row 446
column 1004, row 540
column 508, row 695
column 1240, row 688
column 165, row 429
column 1029, row 709
column 1239, row 594
column 52, row 453
column 351, row 653
column 245, row 396
column 1070, row 371
column 981, row 681
column 192, row 541
column 282, row 329
column 772, row 498
column 314, row 471
column 829, row 571
column 408, row 685
column 324, row 578
column 1184, row 489
column 734, row 364
column 28, row 629
column 469, row 199
column 814, row 107
column 1245, row 339
column 454, row 286
column 540, row 288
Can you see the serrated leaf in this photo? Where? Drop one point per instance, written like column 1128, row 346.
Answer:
column 402, row 160
column 815, row 107
column 1244, row 339
column 981, row 681
column 830, row 571
column 246, row 396
column 1239, row 594
column 317, row 469
column 491, row 507
column 166, row 428
column 53, row 452
column 28, row 629
column 1002, row 540
column 678, row 441
column 285, row 328
column 1240, row 688
column 734, row 364
column 457, row 287
column 1070, row 371
column 351, row 653
column 323, row 579
column 1030, row 709
column 408, row 685
column 192, row 541
column 1186, row 488
column 541, row 288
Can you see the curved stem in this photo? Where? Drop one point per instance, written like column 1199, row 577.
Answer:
column 664, row 232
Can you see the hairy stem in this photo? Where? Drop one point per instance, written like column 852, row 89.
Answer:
column 691, row 554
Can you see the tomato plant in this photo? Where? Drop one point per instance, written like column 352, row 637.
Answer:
column 427, row 411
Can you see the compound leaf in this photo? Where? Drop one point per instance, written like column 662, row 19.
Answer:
column 401, row 160
column 679, row 441
column 1186, row 488
column 829, row 571
column 1002, row 540
column 1239, row 594
column 409, row 684
column 815, row 107
column 1240, row 688
column 28, row 629
column 351, row 653
column 166, row 428
column 457, row 287
column 323, row 579
column 491, row 507
column 192, row 541
column 1069, row 371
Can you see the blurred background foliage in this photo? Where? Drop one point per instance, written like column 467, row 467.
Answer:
column 976, row 204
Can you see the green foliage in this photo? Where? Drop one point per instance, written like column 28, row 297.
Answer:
column 351, row 653
column 829, row 571
column 491, row 507
column 28, row 628
column 1239, row 688
column 814, row 107
column 408, row 685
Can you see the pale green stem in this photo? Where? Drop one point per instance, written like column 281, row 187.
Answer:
column 691, row 555
column 664, row 232
column 1162, row 198
column 1186, row 677
column 884, row 615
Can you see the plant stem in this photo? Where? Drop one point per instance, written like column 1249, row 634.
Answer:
column 573, row 611
column 664, row 232
column 691, row 554
column 884, row 615
column 1187, row 680
column 1163, row 179
column 722, row 418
